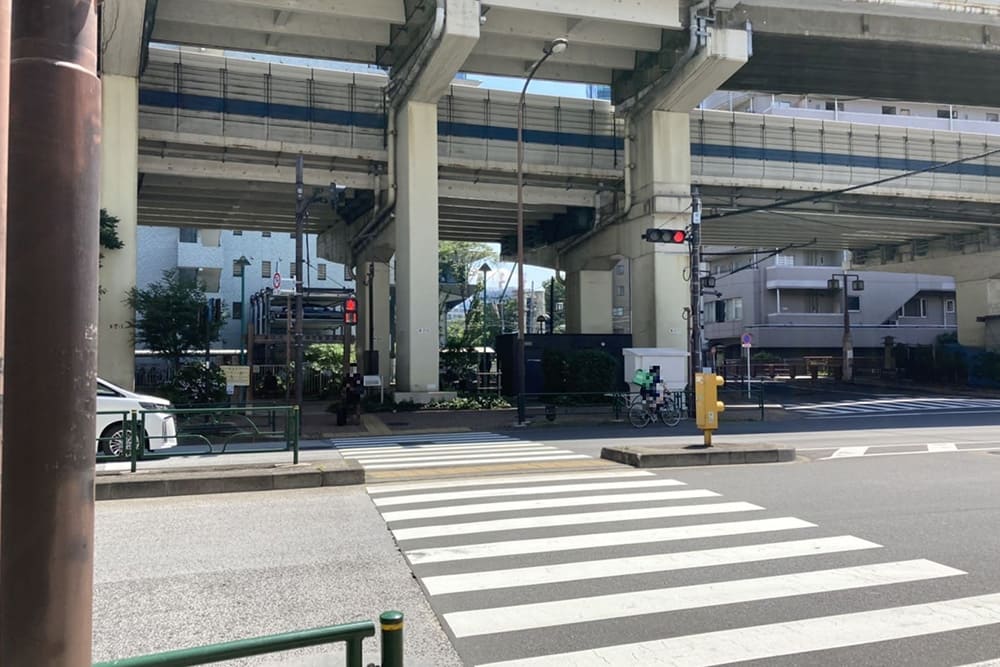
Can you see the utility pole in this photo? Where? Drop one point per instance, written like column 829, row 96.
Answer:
column 300, row 215
column 695, row 282
column 47, row 513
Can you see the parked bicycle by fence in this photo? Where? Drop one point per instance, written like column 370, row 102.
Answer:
column 646, row 410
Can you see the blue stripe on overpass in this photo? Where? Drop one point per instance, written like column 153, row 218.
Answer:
column 212, row 104
column 367, row 119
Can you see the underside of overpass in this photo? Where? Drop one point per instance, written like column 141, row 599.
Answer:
column 661, row 60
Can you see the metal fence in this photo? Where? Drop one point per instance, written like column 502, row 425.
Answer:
column 352, row 635
column 211, row 429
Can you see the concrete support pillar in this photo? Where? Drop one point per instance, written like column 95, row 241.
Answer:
column 377, row 306
column 661, row 187
column 417, row 249
column 975, row 299
column 659, row 297
column 588, row 302
column 119, row 196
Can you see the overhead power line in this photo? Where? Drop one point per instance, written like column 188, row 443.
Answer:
column 832, row 193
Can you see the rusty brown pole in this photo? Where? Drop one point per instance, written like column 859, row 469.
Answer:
column 4, row 123
column 47, row 512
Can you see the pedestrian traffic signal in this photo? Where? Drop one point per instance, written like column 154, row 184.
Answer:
column 654, row 235
column 706, row 400
column 351, row 310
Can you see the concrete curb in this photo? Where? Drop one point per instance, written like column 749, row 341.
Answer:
column 152, row 484
column 663, row 457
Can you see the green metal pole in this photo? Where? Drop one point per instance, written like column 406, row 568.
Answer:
column 133, row 452
column 392, row 638
column 243, row 313
column 295, row 434
column 355, row 653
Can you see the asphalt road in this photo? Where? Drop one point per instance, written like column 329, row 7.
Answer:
column 807, row 564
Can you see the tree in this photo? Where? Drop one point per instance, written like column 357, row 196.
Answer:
column 458, row 261
column 556, row 297
column 109, row 239
column 171, row 317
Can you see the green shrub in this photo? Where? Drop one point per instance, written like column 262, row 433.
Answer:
column 196, row 384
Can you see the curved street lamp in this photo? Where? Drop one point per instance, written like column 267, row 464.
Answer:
column 552, row 48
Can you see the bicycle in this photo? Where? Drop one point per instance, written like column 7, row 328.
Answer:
column 644, row 411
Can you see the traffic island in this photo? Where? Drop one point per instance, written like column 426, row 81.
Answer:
column 223, row 479
column 651, row 456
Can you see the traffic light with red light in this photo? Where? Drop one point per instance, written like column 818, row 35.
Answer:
column 654, row 235
column 350, row 310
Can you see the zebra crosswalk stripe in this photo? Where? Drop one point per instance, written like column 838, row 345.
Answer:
column 617, row 567
column 577, row 519
column 501, row 480
column 391, row 450
column 657, row 601
column 761, row 642
column 523, row 491
column 437, row 463
column 594, row 540
column 544, row 503
column 470, row 454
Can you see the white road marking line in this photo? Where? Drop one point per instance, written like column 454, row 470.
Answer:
column 457, row 447
column 446, row 463
column 942, row 447
column 777, row 639
column 481, row 453
column 617, row 567
column 420, row 437
column 544, row 503
column 964, row 450
column 579, row 519
column 523, row 491
column 507, row 479
column 908, row 415
column 845, row 452
column 639, row 603
column 594, row 540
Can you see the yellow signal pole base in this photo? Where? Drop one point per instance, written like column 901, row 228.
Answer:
column 708, row 438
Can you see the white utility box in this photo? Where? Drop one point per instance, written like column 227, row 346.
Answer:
column 673, row 365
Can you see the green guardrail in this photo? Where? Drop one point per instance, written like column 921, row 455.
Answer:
column 134, row 424
column 350, row 634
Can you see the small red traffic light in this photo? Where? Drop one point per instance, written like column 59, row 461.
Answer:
column 654, row 235
column 351, row 310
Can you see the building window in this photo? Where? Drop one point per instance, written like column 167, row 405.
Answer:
column 237, row 232
column 784, row 260
column 620, row 269
column 291, row 269
column 719, row 311
column 618, row 312
column 854, row 304
column 237, row 268
column 189, row 235
column 621, row 290
column 904, row 112
column 321, row 272
column 832, row 106
column 888, row 110
column 187, row 274
column 915, row 307
column 734, row 309
column 992, row 117
column 949, row 306
column 237, row 310
column 945, row 113
column 265, row 235
column 265, row 269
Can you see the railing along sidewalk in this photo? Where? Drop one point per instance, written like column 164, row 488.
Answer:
column 350, row 634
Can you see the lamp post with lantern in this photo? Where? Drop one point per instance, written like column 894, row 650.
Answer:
column 847, row 355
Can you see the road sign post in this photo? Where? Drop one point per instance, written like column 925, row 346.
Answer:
column 747, row 341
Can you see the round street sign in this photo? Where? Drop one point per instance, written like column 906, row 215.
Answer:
column 746, row 339
column 276, row 280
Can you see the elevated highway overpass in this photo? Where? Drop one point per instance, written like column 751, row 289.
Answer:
column 439, row 158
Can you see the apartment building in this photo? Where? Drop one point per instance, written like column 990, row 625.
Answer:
column 213, row 257
column 789, row 305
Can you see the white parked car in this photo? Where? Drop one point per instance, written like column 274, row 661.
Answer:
column 112, row 429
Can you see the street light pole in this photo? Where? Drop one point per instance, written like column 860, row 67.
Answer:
column 847, row 354
column 557, row 45
column 485, row 268
column 244, row 263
